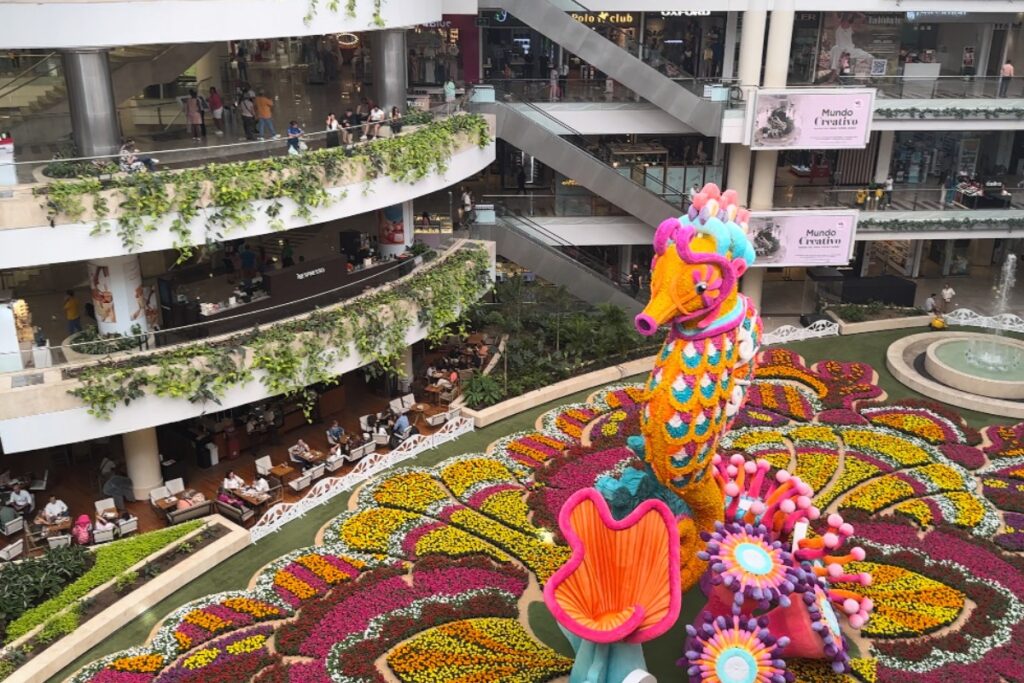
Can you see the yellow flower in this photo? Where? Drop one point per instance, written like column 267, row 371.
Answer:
column 250, row 644
column 372, row 529
column 462, row 475
column 410, row 490
column 202, row 658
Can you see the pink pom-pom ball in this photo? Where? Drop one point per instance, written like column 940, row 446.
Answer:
column 846, row 529
column 831, row 540
column 787, row 506
column 712, row 190
column 851, row 606
column 835, row 570
column 865, row 579
column 858, row 553
column 857, row 621
column 757, row 507
column 736, row 459
column 835, row 519
column 803, row 502
column 750, row 467
column 813, row 513
column 731, row 489
column 782, row 476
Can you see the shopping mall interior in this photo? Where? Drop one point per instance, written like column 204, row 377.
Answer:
column 359, row 341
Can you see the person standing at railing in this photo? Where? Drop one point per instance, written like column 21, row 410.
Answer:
column 563, row 78
column 634, row 280
column 217, row 110
column 1005, row 76
column 265, row 115
column 349, row 123
column 247, row 110
column 521, row 181
column 553, row 84
column 295, row 144
column 887, row 198
column 332, row 126
column 193, row 115
column 449, row 96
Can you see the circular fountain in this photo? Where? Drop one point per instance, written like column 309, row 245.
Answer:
column 983, row 372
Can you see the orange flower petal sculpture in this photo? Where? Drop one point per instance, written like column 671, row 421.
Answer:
column 621, row 583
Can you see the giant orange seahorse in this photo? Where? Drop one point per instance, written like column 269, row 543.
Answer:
column 702, row 373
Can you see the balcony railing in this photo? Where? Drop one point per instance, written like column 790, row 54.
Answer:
column 934, row 87
column 902, row 199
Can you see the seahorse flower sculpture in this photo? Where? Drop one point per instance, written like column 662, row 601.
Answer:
column 702, row 373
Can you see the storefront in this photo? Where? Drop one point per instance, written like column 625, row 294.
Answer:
column 680, row 43
column 944, row 158
column 447, row 49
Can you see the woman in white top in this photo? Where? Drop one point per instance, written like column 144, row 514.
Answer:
column 376, row 118
column 102, row 524
column 261, row 485
column 54, row 510
column 232, row 482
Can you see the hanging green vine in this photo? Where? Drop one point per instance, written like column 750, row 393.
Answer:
column 294, row 354
column 226, row 193
column 932, row 225
column 950, row 112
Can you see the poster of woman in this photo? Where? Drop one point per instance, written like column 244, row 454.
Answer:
column 858, row 44
column 391, row 225
column 102, row 297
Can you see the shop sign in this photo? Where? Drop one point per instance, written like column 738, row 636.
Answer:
column 803, row 238
column 836, row 118
column 687, row 13
column 310, row 273
column 622, row 18
column 914, row 16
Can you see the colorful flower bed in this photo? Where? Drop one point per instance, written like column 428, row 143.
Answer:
column 423, row 579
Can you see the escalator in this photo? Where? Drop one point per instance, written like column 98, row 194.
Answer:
column 536, row 132
column 556, row 24
column 553, row 259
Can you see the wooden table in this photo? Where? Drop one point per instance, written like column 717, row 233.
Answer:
column 165, row 504
column 253, row 498
column 282, row 471
column 419, row 409
column 313, row 456
column 434, row 391
column 475, row 339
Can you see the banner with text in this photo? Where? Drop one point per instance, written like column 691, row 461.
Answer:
column 803, row 238
column 834, row 118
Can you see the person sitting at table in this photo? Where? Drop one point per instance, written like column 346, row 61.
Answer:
column 102, row 524
column 81, row 533
column 383, row 426
column 398, row 431
column 335, row 433
column 261, row 485
column 22, row 501
column 7, row 514
column 296, row 453
column 232, row 482
column 371, row 427
column 119, row 487
column 54, row 510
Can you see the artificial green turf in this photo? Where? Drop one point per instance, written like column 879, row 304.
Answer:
column 235, row 573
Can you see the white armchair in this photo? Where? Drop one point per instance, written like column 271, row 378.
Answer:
column 105, row 504
column 15, row 525
column 12, row 550
column 380, row 439
column 396, row 406
column 59, row 541
column 263, row 465
column 175, row 486
column 335, row 462
column 127, row 526
column 103, row 536
column 299, row 483
column 316, row 472
column 408, row 401
column 437, row 420
column 159, row 493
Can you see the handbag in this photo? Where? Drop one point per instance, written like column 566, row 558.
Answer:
column 303, row 146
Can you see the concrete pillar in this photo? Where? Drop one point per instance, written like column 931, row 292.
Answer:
column 390, row 80
column 209, row 71
column 776, row 72
column 886, row 140
column 117, row 293
column 405, row 371
column 625, row 261
column 732, row 21
column 90, row 89
column 142, row 459
column 751, row 47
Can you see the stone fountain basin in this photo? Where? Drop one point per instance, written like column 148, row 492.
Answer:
column 906, row 360
column 963, row 378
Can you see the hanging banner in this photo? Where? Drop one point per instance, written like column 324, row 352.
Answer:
column 836, row 118
column 803, row 238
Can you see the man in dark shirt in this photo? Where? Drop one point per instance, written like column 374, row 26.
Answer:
column 349, row 122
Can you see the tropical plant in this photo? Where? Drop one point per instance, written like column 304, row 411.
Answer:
column 224, row 195
column 294, row 354
column 90, row 341
column 29, row 582
column 481, row 390
column 124, row 582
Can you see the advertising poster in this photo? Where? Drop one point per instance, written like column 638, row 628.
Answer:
column 803, row 238
column 854, row 44
column 391, row 225
column 812, row 119
column 117, row 295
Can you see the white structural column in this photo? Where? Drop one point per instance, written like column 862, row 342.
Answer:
column 751, row 48
column 886, row 139
column 142, row 459
column 406, row 372
column 117, row 293
column 732, row 20
column 90, row 89
column 390, row 80
column 776, row 70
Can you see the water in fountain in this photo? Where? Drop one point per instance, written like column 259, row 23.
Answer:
column 995, row 355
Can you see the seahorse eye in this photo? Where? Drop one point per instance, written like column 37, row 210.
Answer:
column 702, row 287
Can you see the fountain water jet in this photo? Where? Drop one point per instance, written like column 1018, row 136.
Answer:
column 995, row 355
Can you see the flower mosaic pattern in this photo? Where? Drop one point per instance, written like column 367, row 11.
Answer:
column 424, row 578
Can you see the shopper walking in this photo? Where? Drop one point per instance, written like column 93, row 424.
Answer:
column 72, row 313
column 193, row 116
column 563, row 78
column 217, row 110
column 888, row 191
column 265, row 116
column 1005, row 76
column 521, row 181
column 332, row 126
column 449, row 96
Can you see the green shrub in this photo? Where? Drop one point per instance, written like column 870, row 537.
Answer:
column 91, row 342
column 25, row 584
column 61, row 625
column 112, row 559
column 481, row 391
column 125, row 581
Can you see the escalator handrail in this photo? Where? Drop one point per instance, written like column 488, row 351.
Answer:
column 667, row 190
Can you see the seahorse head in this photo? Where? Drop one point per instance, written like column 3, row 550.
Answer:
column 698, row 260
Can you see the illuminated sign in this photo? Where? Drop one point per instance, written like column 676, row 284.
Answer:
column 603, row 17
column 687, row 13
column 913, row 16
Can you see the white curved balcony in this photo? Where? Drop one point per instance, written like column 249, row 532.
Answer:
column 27, row 238
column 99, row 23
column 44, row 414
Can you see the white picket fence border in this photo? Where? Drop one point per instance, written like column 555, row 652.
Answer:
column 965, row 316
column 789, row 333
column 329, row 487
